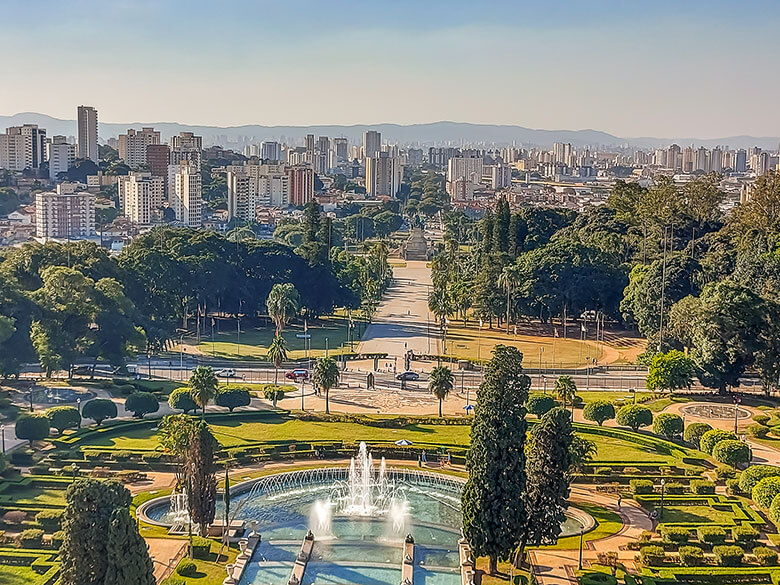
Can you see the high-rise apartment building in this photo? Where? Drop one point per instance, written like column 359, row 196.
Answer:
column 674, row 157
column 23, row 147
column 141, row 197
column 470, row 168
column 688, row 159
column 60, row 154
column 500, row 177
column 271, row 151
column 341, row 148
column 253, row 187
column 383, row 175
column 88, row 133
column 740, row 161
column 372, row 143
column 186, row 147
column 562, row 153
column 64, row 214
column 133, row 145
column 300, row 184
column 157, row 160
column 186, row 194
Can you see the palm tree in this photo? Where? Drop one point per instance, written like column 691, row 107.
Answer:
column 203, row 386
column 508, row 281
column 566, row 389
column 441, row 383
column 277, row 352
column 439, row 303
column 325, row 375
column 283, row 303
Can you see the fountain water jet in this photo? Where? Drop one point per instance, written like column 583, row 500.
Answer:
column 366, row 492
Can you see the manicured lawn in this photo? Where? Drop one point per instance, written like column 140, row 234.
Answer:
column 254, row 342
column 607, row 524
column 696, row 514
column 36, row 495
column 18, row 575
column 211, row 571
column 281, row 428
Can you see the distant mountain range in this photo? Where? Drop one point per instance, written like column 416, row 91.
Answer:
column 439, row 133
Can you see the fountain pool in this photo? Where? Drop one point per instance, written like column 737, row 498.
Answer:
column 359, row 516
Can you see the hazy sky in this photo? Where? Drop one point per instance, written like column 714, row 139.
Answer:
column 682, row 68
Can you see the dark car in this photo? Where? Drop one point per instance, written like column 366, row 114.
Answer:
column 408, row 376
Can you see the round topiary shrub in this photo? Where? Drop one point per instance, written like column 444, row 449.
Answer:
column 765, row 556
column 186, row 568
column 668, row 425
column 702, row 487
column 713, row 437
column 744, row 534
column 711, row 534
column 141, row 403
column 755, row 473
column 732, row 452
column 641, row 486
column 757, row 431
column 181, row 399
column 99, row 410
column 598, row 411
column 761, row 419
column 652, row 555
column 676, row 534
column 691, row 556
column 634, row 416
column 765, row 491
column 774, row 511
column 64, row 417
column 674, row 488
column 694, row 431
column 728, row 555
column 32, row 426
column 540, row 404
column 233, row 397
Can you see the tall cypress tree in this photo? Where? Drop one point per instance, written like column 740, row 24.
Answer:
column 487, row 225
column 89, row 505
column 548, row 477
column 200, row 475
column 128, row 556
column 501, row 227
column 493, row 507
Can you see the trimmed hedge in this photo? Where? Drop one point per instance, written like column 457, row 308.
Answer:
column 765, row 556
column 729, row 555
column 691, row 556
column 702, row 487
column 201, row 547
column 676, row 534
column 186, row 568
column 31, row 538
column 652, row 555
column 731, row 452
column 744, row 534
column 711, row 534
column 641, row 486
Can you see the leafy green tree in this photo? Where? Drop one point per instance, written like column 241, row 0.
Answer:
column 141, row 403
column 283, row 304
column 277, row 353
column 203, row 386
column 32, row 426
column 765, row 491
column 64, row 417
column 200, row 475
column 231, row 398
column 540, row 404
column 668, row 425
column 731, row 452
column 598, row 411
column 181, row 399
column 99, row 409
column 127, row 552
column 493, row 509
column 694, row 432
column 755, row 473
column 441, row 384
column 634, row 416
column 85, row 525
column 670, row 371
column 548, row 469
column 566, row 389
column 325, row 376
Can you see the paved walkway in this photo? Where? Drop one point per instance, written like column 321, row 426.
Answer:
column 165, row 553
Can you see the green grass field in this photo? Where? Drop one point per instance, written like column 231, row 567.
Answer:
column 281, row 428
column 254, row 342
column 34, row 495
column 20, row 575
column 697, row 515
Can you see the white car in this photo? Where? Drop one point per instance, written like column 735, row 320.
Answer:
column 226, row 373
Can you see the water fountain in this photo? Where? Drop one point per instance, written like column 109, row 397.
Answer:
column 366, row 491
column 179, row 515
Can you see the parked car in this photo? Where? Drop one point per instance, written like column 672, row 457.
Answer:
column 82, row 371
column 408, row 376
column 297, row 375
column 226, row 373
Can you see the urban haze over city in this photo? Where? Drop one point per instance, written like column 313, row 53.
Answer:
column 381, row 293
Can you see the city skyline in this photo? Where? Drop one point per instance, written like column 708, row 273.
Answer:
column 694, row 70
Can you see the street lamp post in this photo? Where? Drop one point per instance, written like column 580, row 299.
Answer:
column 2, row 432
column 181, row 357
column 78, row 406
column 736, row 414
column 661, row 514
column 582, row 538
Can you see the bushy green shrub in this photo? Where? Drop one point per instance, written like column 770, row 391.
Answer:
column 775, row 430
column 732, row 487
column 713, row 437
column 691, row 556
column 32, row 426
column 233, row 397
column 598, row 411
column 64, row 417
column 674, row 488
column 57, row 538
column 181, row 399
column 634, row 416
column 774, row 511
column 755, row 473
column 694, row 431
column 724, row 472
column 99, row 409
column 728, row 555
column 668, row 425
column 765, row 556
column 641, row 486
column 731, row 452
column 201, row 547
column 765, row 491
column 175, row 580
column 744, row 534
column 702, row 487
column 677, row 534
column 540, row 404
column 31, row 538
column 757, row 431
column 652, row 555
column 49, row 518
column 141, row 403
column 597, row 578
column 186, row 568
column 711, row 534
column 761, row 419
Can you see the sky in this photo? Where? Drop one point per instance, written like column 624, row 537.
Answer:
column 683, row 68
